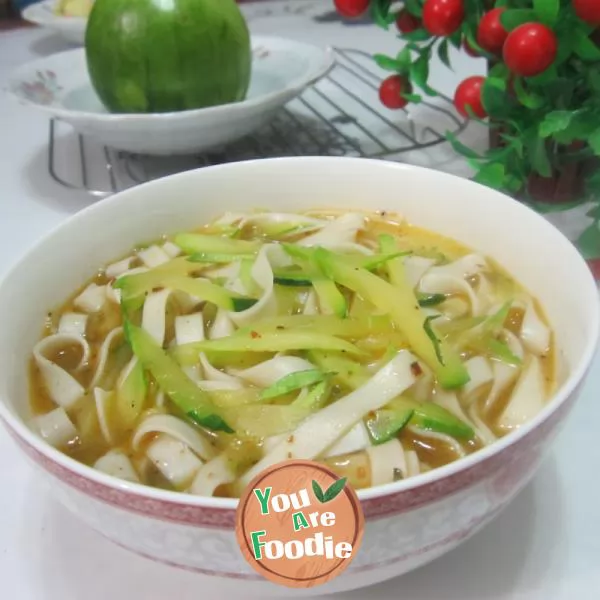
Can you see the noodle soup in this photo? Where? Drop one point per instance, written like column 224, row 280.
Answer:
column 358, row 340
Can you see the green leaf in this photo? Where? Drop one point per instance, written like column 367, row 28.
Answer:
column 492, row 175
column 414, row 98
column 318, row 491
column 442, row 51
column 594, row 79
column 564, row 53
column 550, row 75
column 472, row 39
column 538, row 156
column 584, row 47
column 404, row 59
column 494, row 98
column 473, row 10
column 580, row 127
column 513, row 183
column 547, row 11
column 456, row 39
column 589, row 241
column 594, row 141
column 380, row 13
column 498, row 71
column 413, row 7
column 511, row 19
column 460, row 148
column 418, row 35
column 419, row 73
column 527, row 99
column 387, row 63
column 334, row 489
column 556, row 121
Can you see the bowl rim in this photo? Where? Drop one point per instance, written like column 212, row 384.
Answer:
column 35, row 13
column 313, row 74
column 557, row 400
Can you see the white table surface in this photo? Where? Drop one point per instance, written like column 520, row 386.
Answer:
column 545, row 546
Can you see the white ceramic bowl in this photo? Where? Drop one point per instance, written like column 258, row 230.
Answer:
column 60, row 86
column 44, row 14
column 407, row 523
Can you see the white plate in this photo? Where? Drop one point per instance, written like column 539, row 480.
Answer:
column 43, row 14
column 59, row 85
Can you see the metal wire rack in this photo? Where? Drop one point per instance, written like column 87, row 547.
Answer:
column 338, row 116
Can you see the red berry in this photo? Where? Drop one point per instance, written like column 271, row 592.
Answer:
column 469, row 49
column 405, row 22
column 468, row 93
column 491, row 34
column 351, row 8
column 588, row 11
column 391, row 90
column 443, row 17
column 530, row 49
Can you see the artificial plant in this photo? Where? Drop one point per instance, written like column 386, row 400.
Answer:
column 542, row 92
column 540, row 98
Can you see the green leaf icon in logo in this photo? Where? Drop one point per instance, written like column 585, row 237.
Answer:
column 332, row 492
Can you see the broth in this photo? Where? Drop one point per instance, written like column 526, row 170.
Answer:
column 104, row 419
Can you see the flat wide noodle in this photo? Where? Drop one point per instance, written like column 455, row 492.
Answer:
column 154, row 314
column 386, row 460
column 105, row 349
column 214, row 473
column 443, row 283
column 464, row 267
column 177, row 429
column 73, row 323
column 153, row 256
column 213, row 374
column 222, row 326
column 267, row 373
column 534, row 333
column 117, row 464
column 527, row 399
column 171, row 249
column 103, row 400
column 92, row 299
column 62, row 387
column 504, row 376
column 441, row 437
column 413, row 467
column 415, row 267
column 355, row 440
column 311, row 306
column 322, row 429
column 119, row 268
column 174, row 459
column 480, row 373
column 189, row 328
column 513, row 343
column 55, row 427
column 262, row 273
column 342, row 230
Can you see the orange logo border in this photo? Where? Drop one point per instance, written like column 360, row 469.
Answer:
column 243, row 532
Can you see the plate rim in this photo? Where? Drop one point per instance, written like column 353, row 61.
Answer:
column 309, row 77
column 33, row 13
